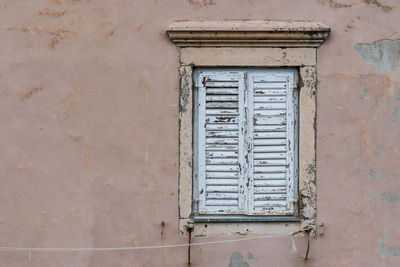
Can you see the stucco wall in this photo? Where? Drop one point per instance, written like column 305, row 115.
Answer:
column 89, row 133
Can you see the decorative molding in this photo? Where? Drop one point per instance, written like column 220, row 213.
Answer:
column 248, row 33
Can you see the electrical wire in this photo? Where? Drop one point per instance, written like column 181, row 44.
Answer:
column 26, row 249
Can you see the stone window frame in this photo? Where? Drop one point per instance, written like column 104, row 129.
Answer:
column 249, row 44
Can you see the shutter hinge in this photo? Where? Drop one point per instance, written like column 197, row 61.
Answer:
column 245, row 75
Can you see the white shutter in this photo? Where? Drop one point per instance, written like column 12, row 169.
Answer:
column 245, row 142
column 273, row 104
column 220, row 117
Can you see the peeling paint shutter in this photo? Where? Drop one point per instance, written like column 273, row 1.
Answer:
column 245, row 142
column 272, row 131
column 220, row 142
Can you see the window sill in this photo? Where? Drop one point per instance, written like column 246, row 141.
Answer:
column 224, row 219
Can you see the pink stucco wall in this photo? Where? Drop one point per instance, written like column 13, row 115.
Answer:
column 89, row 132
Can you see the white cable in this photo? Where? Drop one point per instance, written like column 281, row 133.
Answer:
column 21, row 249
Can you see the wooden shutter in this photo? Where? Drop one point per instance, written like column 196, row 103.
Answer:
column 220, row 136
column 273, row 99
column 245, row 142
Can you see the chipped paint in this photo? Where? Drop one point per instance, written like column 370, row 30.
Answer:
column 237, row 260
column 357, row 167
column 371, row 197
column 250, row 256
column 334, row 4
column 365, row 94
column 28, row 92
column 376, row 175
column 383, row 54
column 391, row 197
column 395, row 115
column 383, row 249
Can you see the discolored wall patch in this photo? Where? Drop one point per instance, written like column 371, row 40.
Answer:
column 237, row 260
column 383, row 54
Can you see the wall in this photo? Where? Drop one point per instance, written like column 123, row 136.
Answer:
column 89, row 130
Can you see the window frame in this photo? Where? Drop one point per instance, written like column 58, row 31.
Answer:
column 249, row 44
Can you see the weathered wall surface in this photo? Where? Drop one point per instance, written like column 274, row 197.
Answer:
column 89, row 132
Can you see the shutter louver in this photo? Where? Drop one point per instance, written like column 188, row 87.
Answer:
column 274, row 102
column 220, row 143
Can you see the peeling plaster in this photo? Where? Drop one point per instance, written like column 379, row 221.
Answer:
column 391, row 197
column 28, row 92
column 237, row 260
column 250, row 256
column 385, row 250
column 376, row 175
column 366, row 94
column 395, row 115
column 383, row 54
column 185, row 89
column 357, row 166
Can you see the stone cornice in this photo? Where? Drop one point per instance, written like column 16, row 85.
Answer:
column 248, row 33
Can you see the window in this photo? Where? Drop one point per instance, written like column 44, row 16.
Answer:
column 245, row 142
column 230, row 60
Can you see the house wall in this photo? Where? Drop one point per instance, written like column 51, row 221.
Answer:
column 89, row 108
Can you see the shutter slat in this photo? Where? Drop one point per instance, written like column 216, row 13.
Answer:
column 222, row 91
column 273, row 119
column 232, row 111
column 221, row 154
column 269, row 197
column 222, row 168
column 269, row 135
column 223, row 203
column 213, row 105
column 270, row 204
column 221, row 161
column 270, row 169
column 265, row 149
column 269, row 128
column 222, row 195
column 259, row 156
column 260, row 184
column 222, row 182
column 272, row 162
column 269, row 190
column 270, row 142
column 269, row 84
column 270, row 92
column 222, row 141
column 269, row 176
column 214, row 147
column 222, row 133
column 269, row 106
column 267, row 99
column 211, row 174
column 219, row 189
column 222, row 84
column 222, row 98
column 221, row 127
